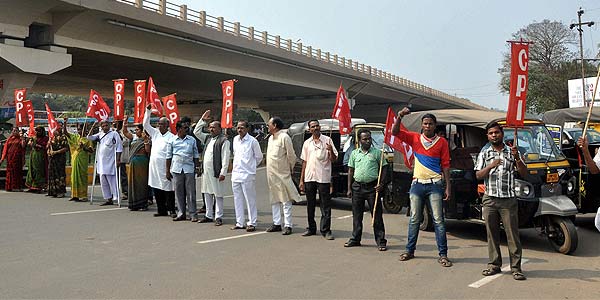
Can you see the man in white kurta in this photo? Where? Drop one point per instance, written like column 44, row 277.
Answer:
column 215, row 162
column 108, row 154
column 246, row 156
column 161, row 186
column 280, row 163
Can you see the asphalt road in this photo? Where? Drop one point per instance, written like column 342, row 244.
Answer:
column 52, row 248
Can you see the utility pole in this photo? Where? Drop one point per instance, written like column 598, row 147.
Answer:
column 578, row 25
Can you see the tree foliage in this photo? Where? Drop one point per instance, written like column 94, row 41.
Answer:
column 551, row 64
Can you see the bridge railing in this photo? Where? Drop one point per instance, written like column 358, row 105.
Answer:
column 200, row 17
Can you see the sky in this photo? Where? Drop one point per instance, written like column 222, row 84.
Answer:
column 453, row 46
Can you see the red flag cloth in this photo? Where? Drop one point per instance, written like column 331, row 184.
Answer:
column 52, row 124
column 518, row 84
column 341, row 111
column 119, row 101
column 153, row 98
column 395, row 142
column 140, row 101
column 227, row 112
column 171, row 110
column 97, row 108
column 20, row 113
column 31, row 116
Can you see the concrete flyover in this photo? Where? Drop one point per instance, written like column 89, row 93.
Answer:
column 70, row 46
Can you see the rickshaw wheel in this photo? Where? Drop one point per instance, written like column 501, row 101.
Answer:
column 564, row 239
column 427, row 222
column 391, row 206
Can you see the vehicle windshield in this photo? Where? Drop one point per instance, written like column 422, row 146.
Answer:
column 593, row 136
column 535, row 143
column 377, row 137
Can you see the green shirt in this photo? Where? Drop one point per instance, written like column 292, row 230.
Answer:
column 366, row 165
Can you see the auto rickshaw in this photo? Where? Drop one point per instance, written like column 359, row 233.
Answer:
column 570, row 124
column 345, row 144
column 543, row 195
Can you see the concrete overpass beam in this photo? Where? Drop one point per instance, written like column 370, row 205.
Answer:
column 10, row 82
column 45, row 61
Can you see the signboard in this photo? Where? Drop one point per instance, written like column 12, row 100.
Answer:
column 555, row 133
column 575, row 95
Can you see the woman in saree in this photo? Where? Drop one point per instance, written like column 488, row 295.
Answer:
column 57, row 162
column 137, row 179
column 14, row 154
column 80, row 149
column 38, row 161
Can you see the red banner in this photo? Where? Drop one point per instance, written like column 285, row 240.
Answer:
column 227, row 112
column 119, row 101
column 154, row 99
column 140, row 101
column 20, row 114
column 518, row 84
column 97, row 108
column 395, row 142
column 171, row 110
column 341, row 111
column 31, row 116
column 52, row 125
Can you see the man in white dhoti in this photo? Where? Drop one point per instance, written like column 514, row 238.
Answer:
column 214, row 167
column 246, row 156
column 161, row 186
column 280, row 163
column 109, row 155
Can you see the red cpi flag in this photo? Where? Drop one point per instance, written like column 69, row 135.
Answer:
column 154, row 99
column 170, row 104
column 395, row 142
column 140, row 101
column 52, row 125
column 20, row 113
column 31, row 116
column 119, row 101
column 518, row 84
column 227, row 113
column 341, row 111
column 97, row 108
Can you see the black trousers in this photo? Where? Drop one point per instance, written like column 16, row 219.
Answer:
column 360, row 193
column 165, row 201
column 311, row 189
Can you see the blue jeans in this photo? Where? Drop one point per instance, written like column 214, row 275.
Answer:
column 431, row 195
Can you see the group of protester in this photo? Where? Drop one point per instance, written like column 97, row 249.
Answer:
column 163, row 166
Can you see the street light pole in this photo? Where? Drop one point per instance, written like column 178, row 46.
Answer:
column 578, row 25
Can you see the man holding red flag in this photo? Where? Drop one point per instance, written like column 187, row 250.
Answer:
column 432, row 165
column 108, row 153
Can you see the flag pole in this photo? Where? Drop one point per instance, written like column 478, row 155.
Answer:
column 378, row 182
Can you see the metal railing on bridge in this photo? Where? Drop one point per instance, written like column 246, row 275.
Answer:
column 186, row 14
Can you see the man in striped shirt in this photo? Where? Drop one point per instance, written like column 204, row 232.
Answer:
column 496, row 164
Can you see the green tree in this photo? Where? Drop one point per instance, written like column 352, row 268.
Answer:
column 551, row 64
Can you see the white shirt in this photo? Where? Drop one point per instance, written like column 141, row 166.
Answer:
column 108, row 145
column 318, row 159
column 597, row 159
column 157, row 170
column 246, row 156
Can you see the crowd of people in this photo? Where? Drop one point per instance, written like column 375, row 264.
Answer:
column 154, row 164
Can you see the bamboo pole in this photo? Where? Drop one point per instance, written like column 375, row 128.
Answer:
column 378, row 182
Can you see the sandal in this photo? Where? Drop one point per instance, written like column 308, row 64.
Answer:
column 518, row 276
column 444, row 261
column 490, row 271
column 406, row 256
column 382, row 248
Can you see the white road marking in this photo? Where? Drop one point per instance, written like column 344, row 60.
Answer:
column 479, row 283
column 85, row 211
column 231, row 237
column 345, row 217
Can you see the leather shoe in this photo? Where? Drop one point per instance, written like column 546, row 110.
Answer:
column 328, row 236
column 287, row 231
column 274, row 228
column 250, row 228
column 351, row 243
column 308, row 232
column 194, row 219
column 180, row 218
column 218, row 222
column 160, row 215
column 237, row 227
column 108, row 202
column 205, row 220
